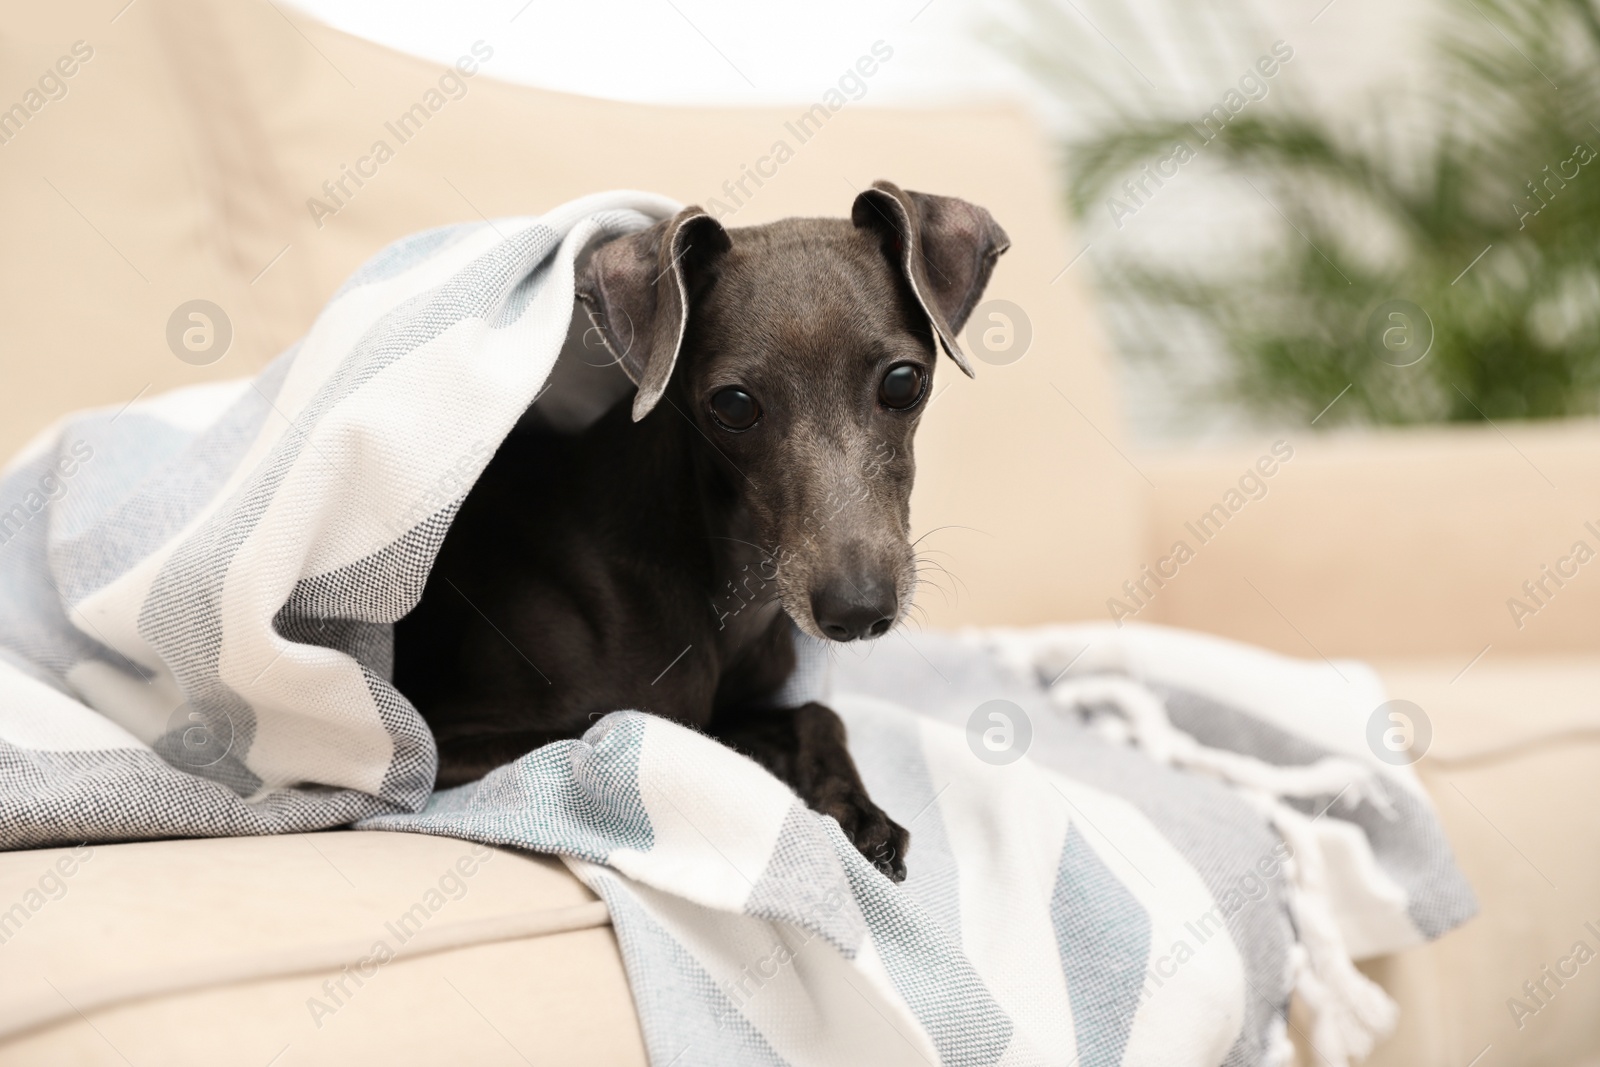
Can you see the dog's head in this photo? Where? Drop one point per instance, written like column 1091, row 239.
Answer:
column 804, row 352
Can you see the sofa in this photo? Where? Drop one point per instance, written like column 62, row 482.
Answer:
column 200, row 151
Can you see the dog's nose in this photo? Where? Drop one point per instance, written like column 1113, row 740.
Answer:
column 846, row 611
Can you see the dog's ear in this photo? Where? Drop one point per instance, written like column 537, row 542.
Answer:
column 945, row 247
column 637, row 291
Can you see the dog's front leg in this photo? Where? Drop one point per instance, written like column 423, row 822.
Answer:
column 805, row 746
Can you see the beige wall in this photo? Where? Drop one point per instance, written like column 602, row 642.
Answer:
column 179, row 164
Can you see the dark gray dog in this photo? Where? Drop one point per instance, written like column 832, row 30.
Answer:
column 759, row 481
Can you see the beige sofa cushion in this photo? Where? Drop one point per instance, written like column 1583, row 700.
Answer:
column 1512, row 772
column 110, row 920
column 1400, row 543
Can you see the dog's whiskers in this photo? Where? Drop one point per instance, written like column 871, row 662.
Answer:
column 922, row 562
column 949, row 526
column 944, row 594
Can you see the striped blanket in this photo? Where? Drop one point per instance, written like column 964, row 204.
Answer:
column 1130, row 846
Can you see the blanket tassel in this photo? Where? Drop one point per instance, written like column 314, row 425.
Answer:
column 1347, row 1012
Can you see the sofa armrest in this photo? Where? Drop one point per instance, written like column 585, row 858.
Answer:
column 333, row 945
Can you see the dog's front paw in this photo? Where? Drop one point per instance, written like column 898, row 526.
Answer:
column 879, row 838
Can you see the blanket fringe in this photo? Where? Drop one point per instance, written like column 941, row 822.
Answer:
column 1280, row 1050
column 1348, row 1012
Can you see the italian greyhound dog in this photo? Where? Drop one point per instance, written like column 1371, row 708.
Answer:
column 757, row 482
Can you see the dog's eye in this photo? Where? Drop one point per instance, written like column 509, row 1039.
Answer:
column 734, row 409
column 902, row 387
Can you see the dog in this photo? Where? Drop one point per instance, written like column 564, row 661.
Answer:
column 757, row 482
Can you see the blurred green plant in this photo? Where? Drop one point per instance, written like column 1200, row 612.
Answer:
column 1507, row 162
